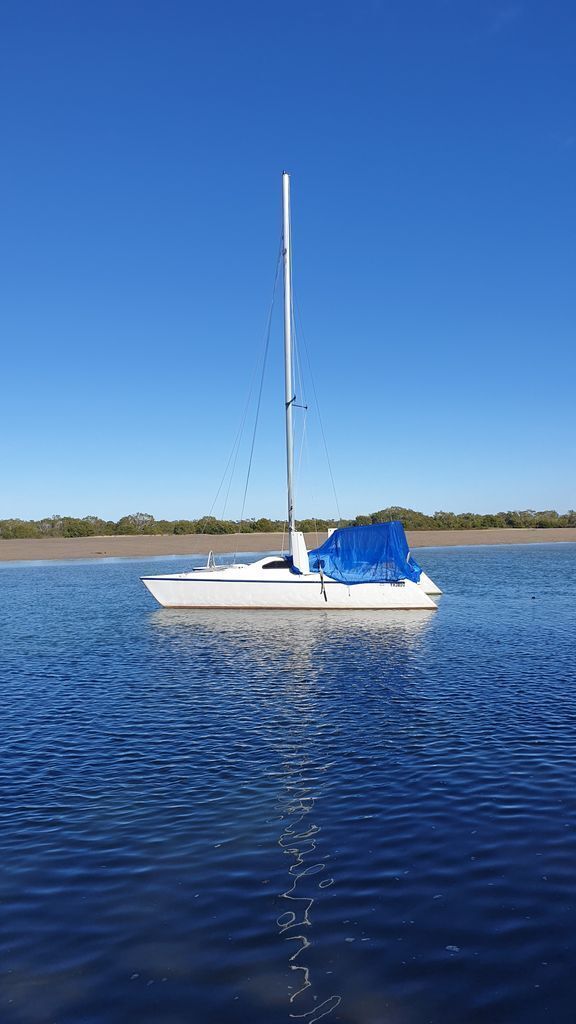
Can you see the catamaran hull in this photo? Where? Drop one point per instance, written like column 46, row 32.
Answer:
column 188, row 592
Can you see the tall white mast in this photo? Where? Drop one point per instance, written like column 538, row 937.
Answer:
column 288, row 372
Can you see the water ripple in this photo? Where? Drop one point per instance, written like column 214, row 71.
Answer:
column 238, row 817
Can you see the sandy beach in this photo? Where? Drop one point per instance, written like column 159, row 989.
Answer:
column 200, row 544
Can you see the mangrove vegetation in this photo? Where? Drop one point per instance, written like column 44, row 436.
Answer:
column 143, row 523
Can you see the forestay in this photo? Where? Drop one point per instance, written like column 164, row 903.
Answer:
column 366, row 554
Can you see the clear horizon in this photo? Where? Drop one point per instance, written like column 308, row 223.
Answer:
column 432, row 148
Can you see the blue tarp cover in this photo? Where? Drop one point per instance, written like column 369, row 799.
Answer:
column 366, row 554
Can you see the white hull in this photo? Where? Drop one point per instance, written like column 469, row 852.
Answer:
column 261, row 585
column 428, row 585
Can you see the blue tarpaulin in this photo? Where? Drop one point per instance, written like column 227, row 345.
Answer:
column 366, row 554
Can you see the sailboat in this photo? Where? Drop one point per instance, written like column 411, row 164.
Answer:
column 368, row 567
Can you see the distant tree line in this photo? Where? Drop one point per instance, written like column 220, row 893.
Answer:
column 142, row 523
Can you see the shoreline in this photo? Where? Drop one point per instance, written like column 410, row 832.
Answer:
column 150, row 545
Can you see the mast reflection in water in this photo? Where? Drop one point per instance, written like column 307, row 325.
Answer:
column 286, row 645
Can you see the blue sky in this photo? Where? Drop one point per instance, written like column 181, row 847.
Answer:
column 432, row 146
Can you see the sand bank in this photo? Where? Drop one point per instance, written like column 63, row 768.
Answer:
column 201, row 544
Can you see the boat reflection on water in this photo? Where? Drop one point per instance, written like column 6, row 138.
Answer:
column 293, row 676
column 285, row 654
column 295, row 631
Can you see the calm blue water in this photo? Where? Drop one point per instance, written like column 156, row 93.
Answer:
column 268, row 817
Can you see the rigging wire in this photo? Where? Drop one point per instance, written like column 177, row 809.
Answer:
column 302, row 404
column 305, row 451
column 233, row 453
column 235, row 447
column 304, row 447
column 233, row 456
column 314, row 392
column 259, row 402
